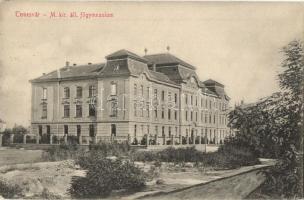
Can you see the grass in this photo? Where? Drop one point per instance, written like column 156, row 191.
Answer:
column 18, row 156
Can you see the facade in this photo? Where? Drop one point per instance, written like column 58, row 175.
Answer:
column 155, row 98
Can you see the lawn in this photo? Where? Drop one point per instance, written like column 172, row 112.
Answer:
column 9, row 156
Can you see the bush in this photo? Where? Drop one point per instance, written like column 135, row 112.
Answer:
column 8, row 190
column 104, row 175
column 63, row 152
column 110, row 149
column 228, row 156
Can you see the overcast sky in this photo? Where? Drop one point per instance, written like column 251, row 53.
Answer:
column 237, row 44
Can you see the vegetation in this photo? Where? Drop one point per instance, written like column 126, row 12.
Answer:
column 104, row 175
column 63, row 152
column 272, row 127
column 8, row 190
column 228, row 157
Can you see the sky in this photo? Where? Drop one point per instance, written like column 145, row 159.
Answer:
column 236, row 44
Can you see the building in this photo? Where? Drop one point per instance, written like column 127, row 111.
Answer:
column 2, row 125
column 157, row 98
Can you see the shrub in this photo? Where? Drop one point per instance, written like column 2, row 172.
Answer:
column 63, row 152
column 228, row 156
column 110, row 149
column 104, row 175
column 8, row 190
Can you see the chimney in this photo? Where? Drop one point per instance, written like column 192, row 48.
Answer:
column 154, row 67
column 67, row 63
column 89, row 63
column 43, row 74
column 74, row 64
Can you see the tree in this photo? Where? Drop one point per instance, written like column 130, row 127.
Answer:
column 273, row 126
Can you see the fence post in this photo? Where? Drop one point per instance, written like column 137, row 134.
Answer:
column 12, row 138
column 65, row 139
column 24, row 139
column 37, row 139
column 80, row 139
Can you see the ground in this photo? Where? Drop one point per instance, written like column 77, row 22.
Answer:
column 56, row 176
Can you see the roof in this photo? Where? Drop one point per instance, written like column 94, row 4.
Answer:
column 212, row 82
column 125, row 53
column 160, row 76
column 166, row 58
column 73, row 71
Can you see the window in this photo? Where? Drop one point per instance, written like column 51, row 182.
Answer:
column 169, row 97
column 163, row 96
column 66, row 129
column 48, row 129
column 196, row 101
column 206, row 118
column 78, row 110
column 186, row 99
column 114, row 108
column 142, row 109
column 66, row 92
column 148, row 110
column 163, row 113
column 169, row 131
column 214, row 119
column 40, row 130
column 175, row 98
column 44, row 94
column 92, row 110
column 135, row 90
column 79, row 92
column 191, row 99
column 92, row 130
column 66, row 109
column 113, row 89
column 135, row 130
column 92, row 91
column 169, row 114
column 186, row 115
column 175, row 115
column 78, row 130
column 155, row 93
column 135, row 109
column 210, row 104
column 142, row 90
column 202, row 116
column 148, row 92
column 191, row 116
column 163, row 131
column 156, row 130
column 155, row 112
column 196, row 116
column 210, row 118
column 44, row 111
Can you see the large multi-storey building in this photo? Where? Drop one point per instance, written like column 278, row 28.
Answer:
column 130, row 97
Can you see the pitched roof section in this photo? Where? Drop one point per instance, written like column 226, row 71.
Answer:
column 160, row 77
column 125, row 53
column 212, row 82
column 72, row 72
column 165, row 59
